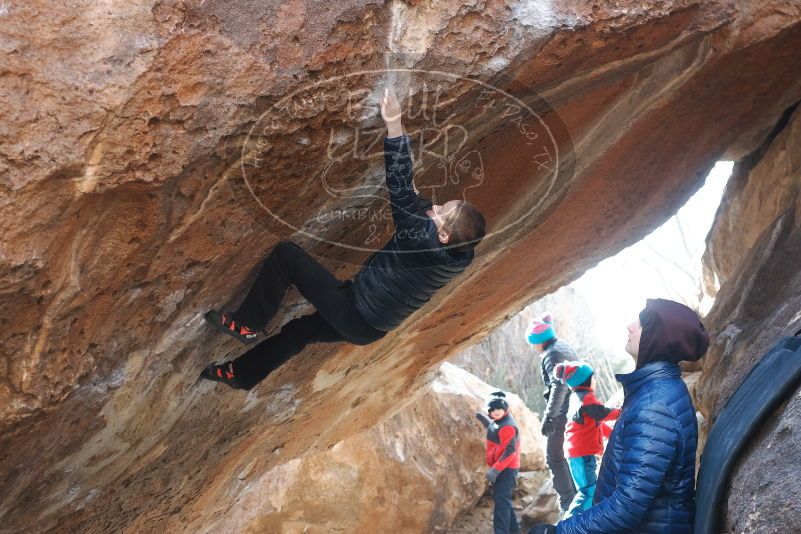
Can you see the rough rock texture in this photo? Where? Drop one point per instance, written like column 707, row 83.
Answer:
column 412, row 473
column 141, row 144
column 763, row 185
column 534, row 501
column 758, row 302
column 544, row 506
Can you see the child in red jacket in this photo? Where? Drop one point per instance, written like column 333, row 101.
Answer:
column 584, row 432
column 503, row 459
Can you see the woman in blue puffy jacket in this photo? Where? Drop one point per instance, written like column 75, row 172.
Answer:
column 647, row 480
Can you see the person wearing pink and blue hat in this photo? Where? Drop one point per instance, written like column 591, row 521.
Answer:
column 542, row 337
column 585, row 431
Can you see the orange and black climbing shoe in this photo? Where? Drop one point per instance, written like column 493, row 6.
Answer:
column 221, row 373
column 227, row 324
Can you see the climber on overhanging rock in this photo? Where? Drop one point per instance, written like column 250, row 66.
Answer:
column 542, row 337
column 647, row 479
column 431, row 245
column 503, row 459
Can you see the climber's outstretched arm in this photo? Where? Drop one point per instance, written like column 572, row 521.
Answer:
column 391, row 113
column 408, row 209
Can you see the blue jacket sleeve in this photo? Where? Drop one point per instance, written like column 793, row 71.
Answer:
column 651, row 440
column 408, row 208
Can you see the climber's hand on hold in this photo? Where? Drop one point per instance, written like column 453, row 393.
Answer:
column 391, row 113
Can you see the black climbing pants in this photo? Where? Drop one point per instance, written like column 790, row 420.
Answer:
column 504, row 520
column 560, row 470
column 336, row 318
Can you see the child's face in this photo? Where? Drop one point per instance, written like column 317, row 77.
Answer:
column 496, row 414
column 442, row 215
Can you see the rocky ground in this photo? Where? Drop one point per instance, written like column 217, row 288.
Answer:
column 534, row 502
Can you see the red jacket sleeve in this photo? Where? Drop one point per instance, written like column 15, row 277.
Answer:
column 508, row 445
column 594, row 409
column 606, row 430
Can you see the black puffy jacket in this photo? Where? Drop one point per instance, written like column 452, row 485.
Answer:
column 557, row 394
column 400, row 278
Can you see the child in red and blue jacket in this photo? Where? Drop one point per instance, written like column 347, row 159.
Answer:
column 585, row 430
column 503, row 459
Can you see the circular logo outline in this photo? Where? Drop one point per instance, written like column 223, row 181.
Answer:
column 554, row 174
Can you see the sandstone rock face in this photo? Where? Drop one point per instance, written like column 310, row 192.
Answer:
column 152, row 152
column 544, row 508
column 758, row 302
column 412, row 473
column 763, row 185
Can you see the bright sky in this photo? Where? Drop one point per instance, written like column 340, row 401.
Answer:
column 658, row 266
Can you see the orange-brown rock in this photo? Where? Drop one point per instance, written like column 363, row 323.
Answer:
column 412, row 473
column 763, row 185
column 754, row 248
column 143, row 144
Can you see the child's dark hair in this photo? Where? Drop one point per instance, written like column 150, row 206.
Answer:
column 466, row 227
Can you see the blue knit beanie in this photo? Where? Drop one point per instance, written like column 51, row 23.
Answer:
column 541, row 330
column 572, row 373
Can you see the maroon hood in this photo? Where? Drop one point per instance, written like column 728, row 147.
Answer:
column 671, row 332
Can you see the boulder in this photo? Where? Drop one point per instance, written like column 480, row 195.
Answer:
column 152, row 152
column 414, row 472
column 758, row 302
column 544, row 507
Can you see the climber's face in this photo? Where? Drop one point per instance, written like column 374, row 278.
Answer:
column 442, row 217
column 633, row 344
column 496, row 414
